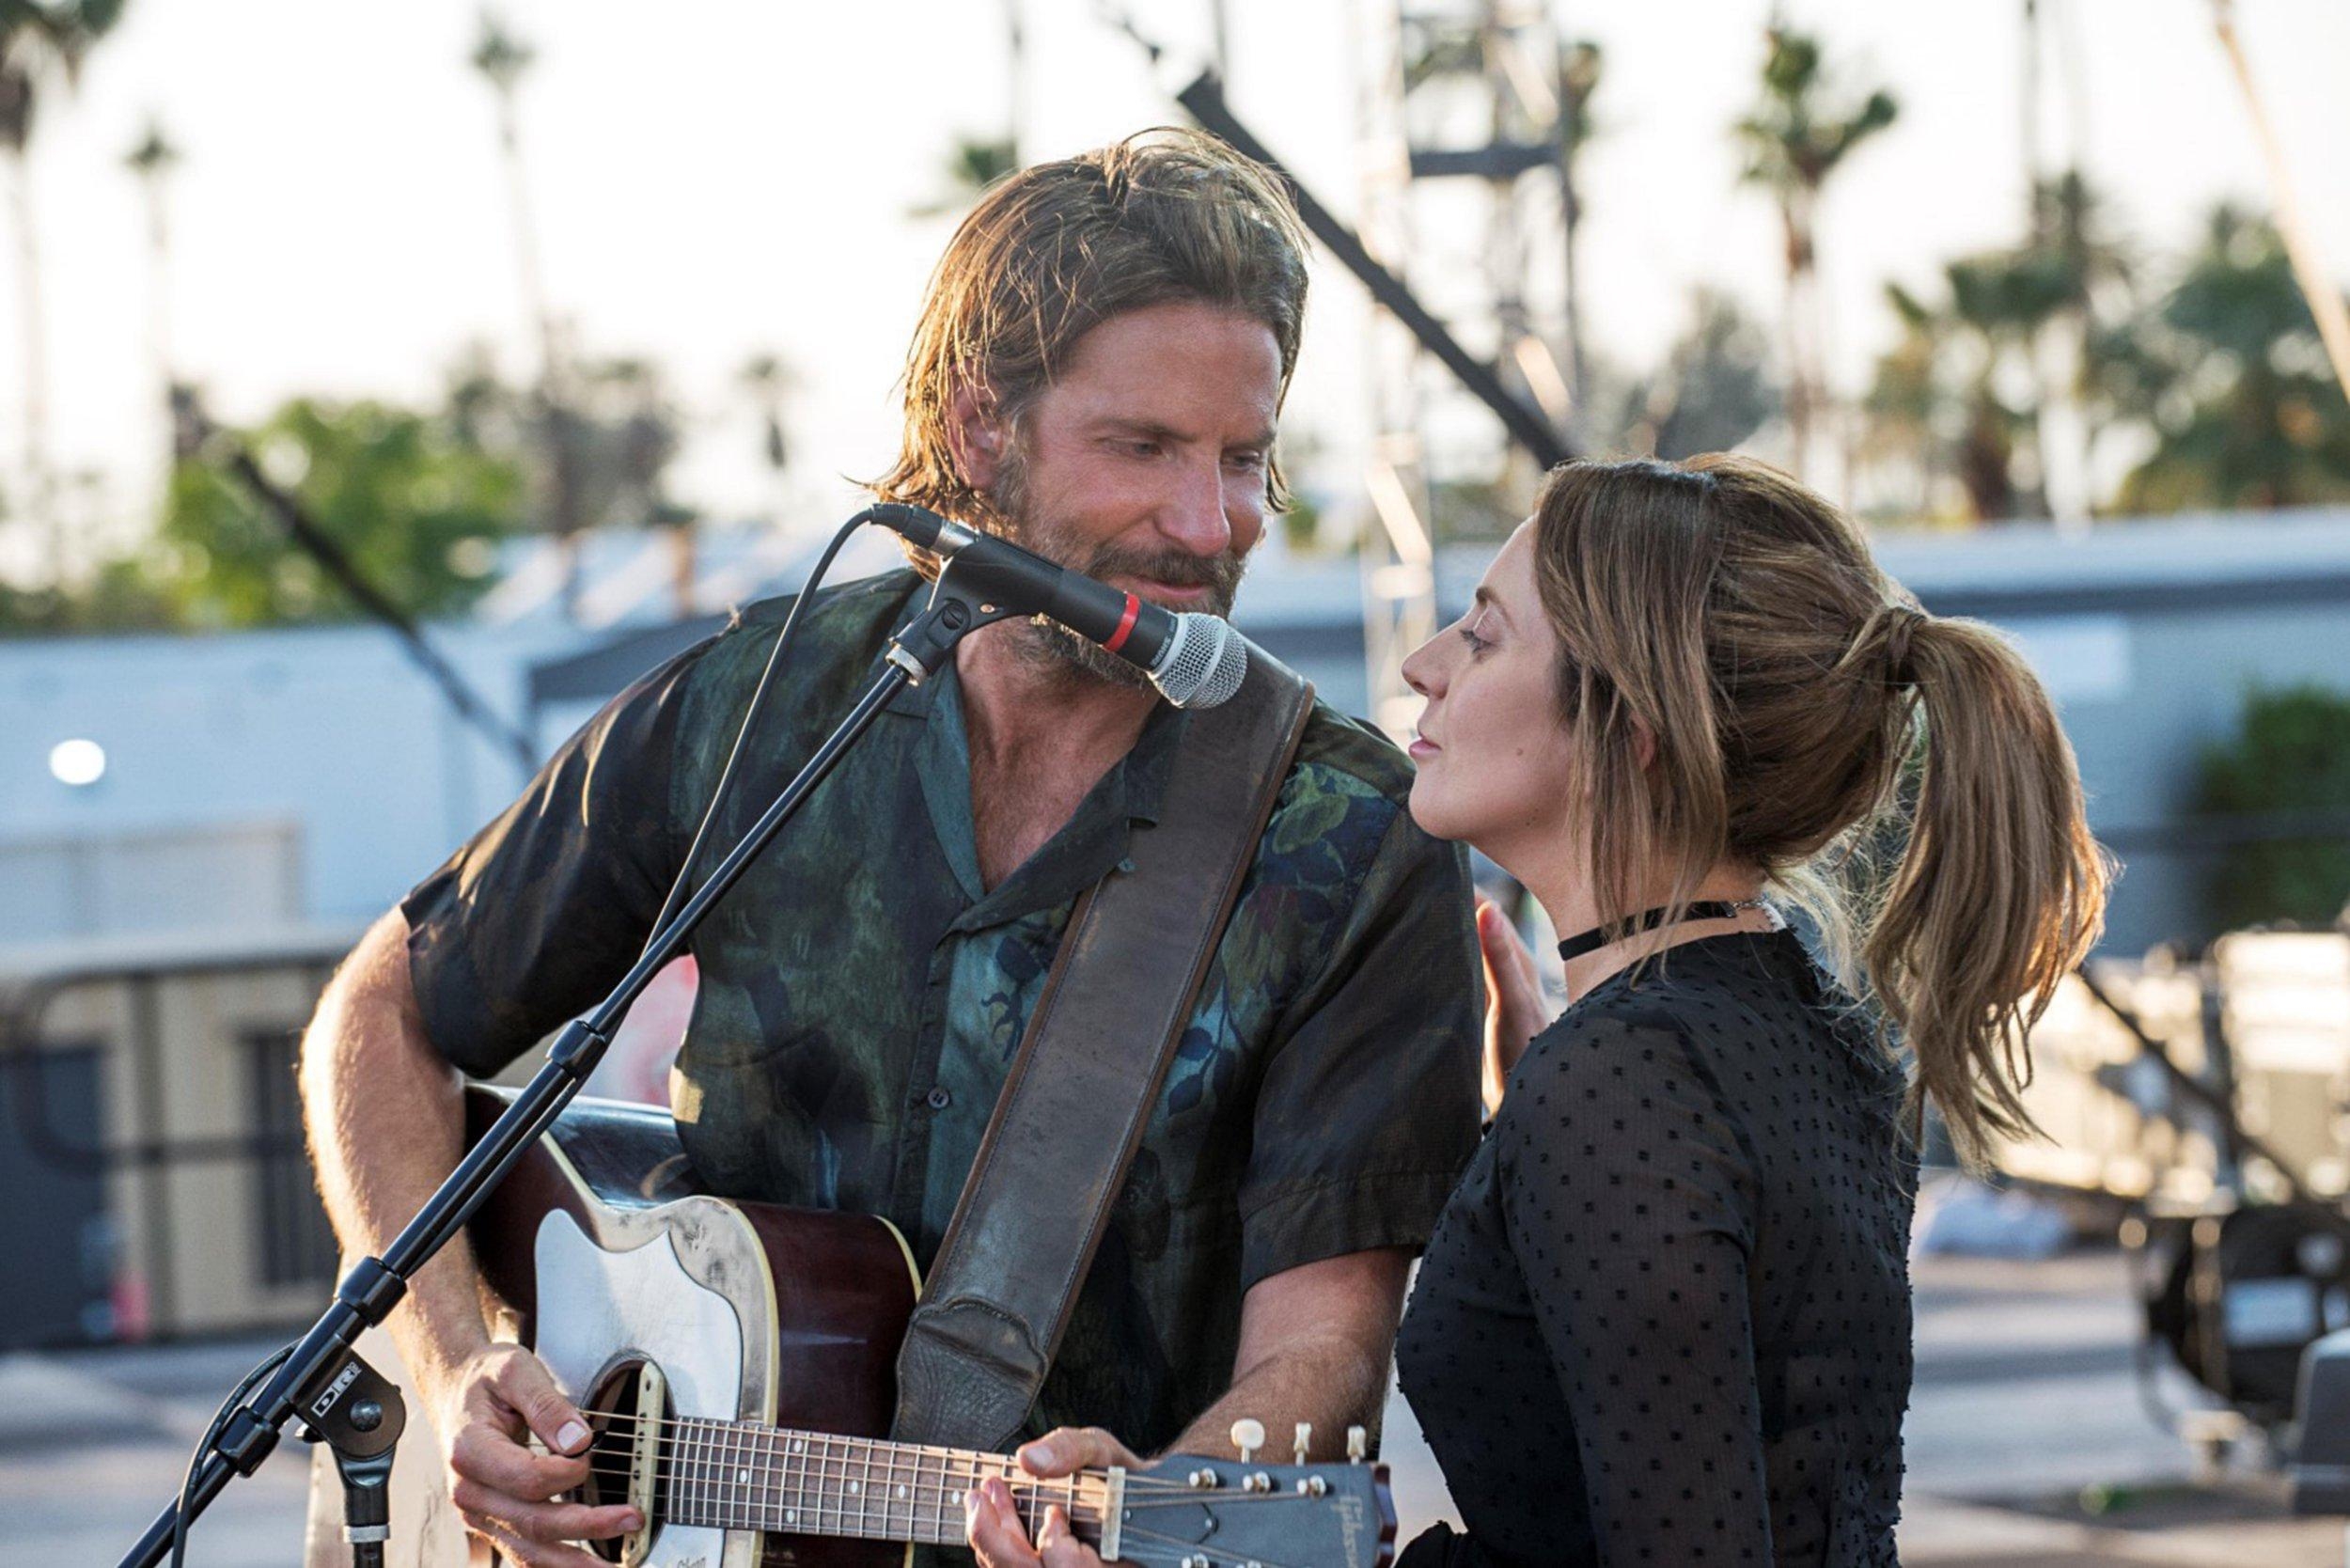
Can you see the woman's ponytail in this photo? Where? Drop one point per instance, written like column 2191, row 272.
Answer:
column 2001, row 889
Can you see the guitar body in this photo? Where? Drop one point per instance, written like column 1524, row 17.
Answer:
column 753, row 1312
column 738, row 1364
column 608, row 1254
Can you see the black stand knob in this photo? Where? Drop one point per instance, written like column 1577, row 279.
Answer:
column 359, row 1416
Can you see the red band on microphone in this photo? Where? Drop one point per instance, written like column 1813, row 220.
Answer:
column 1125, row 625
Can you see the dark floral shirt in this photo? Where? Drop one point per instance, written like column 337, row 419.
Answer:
column 862, row 993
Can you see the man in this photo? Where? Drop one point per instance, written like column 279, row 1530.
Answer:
column 1097, row 373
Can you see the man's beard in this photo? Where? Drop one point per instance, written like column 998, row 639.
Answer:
column 1014, row 516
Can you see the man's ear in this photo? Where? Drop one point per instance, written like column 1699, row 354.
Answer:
column 976, row 437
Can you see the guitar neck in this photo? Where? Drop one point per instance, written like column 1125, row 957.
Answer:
column 740, row 1474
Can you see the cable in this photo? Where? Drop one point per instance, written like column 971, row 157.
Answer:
column 204, row 1445
column 750, row 714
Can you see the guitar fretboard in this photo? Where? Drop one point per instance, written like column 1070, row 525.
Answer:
column 736, row 1475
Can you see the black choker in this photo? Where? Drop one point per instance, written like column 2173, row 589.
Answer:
column 1616, row 930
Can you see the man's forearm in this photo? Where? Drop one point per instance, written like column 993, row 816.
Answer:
column 1332, row 1381
column 384, row 1115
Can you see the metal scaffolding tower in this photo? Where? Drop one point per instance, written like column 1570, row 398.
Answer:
column 1451, row 98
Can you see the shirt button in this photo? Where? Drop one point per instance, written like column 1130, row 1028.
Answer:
column 938, row 1099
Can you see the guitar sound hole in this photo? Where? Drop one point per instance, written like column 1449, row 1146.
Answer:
column 614, row 1416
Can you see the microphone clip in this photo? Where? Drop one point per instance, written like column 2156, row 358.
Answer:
column 922, row 646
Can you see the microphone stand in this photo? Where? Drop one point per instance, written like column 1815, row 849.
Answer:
column 323, row 1383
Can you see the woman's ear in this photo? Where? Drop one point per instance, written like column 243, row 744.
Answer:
column 1643, row 745
column 974, row 436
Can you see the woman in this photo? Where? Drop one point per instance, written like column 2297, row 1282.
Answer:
column 1665, row 1317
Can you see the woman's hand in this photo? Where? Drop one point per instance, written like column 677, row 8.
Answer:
column 1516, row 1008
column 991, row 1520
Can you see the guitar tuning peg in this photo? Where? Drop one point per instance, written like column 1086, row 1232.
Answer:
column 1247, row 1436
column 1305, row 1440
column 1357, row 1445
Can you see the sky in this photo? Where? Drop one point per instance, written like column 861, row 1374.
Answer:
column 714, row 181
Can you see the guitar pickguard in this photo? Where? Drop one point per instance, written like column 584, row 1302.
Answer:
column 597, row 1306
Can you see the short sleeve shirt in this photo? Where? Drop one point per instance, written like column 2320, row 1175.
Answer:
column 861, row 994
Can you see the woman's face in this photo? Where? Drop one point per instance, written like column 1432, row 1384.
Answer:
column 1493, row 753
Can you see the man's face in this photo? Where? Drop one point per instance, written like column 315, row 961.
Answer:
column 1144, row 464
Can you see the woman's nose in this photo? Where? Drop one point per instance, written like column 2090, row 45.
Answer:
column 1421, row 671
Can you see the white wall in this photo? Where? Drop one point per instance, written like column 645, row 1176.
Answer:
column 324, row 752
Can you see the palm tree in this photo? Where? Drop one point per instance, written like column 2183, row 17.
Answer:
column 2092, row 273
column 767, row 381
column 1796, row 136
column 40, row 42
column 974, row 163
column 503, row 58
column 1579, row 68
column 152, row 161
column 2235, row 384
column 1903, row 410
column 1711, row 392
column 1940, row 400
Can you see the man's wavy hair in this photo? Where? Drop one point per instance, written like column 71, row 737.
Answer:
column 1055, row 250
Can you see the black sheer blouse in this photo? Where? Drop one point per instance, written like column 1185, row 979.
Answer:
column 1665, row 1318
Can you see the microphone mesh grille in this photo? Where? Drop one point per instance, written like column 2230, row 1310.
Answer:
column 1204, row 664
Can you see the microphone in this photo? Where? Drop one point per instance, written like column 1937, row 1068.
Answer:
column 1195, row 661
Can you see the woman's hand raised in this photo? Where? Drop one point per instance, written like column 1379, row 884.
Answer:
column 1515, row 1009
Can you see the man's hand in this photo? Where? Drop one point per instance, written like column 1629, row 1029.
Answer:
column 504, row 1493
column 991, row 1519
column 1516, row 1008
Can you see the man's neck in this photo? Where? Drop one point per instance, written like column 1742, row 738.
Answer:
column 1018, row 704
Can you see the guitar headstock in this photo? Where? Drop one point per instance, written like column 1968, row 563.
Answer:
column 1186, row 1510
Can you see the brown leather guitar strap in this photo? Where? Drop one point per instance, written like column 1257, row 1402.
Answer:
column 1087, row 1073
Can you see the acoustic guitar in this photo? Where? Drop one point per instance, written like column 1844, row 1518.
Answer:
column 737, row 1363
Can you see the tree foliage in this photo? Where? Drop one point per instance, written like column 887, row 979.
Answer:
column 419, row 508
column 2242, row 403
column 2218, row 380
column 1713, row 390
column 2291, row 754
column 1801, row 130
column 41, row 37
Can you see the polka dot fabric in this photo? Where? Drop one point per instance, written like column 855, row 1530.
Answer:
column 1665, row 1317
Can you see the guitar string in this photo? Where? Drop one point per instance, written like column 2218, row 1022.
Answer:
column 945, row 1498
column 722, row 1452
column 915, row 1494
column 708, row 1468
column 1030, row 1498
column 942, row 1500
column 690, row 1468
column 900, row 1519
column 933, row 1491
column 716, row 1473
column 708, row 1429
column 1027, row 1488
column 1134, row 1532
column 884, row 1529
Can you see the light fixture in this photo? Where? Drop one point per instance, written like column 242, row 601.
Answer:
column 79, row 763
